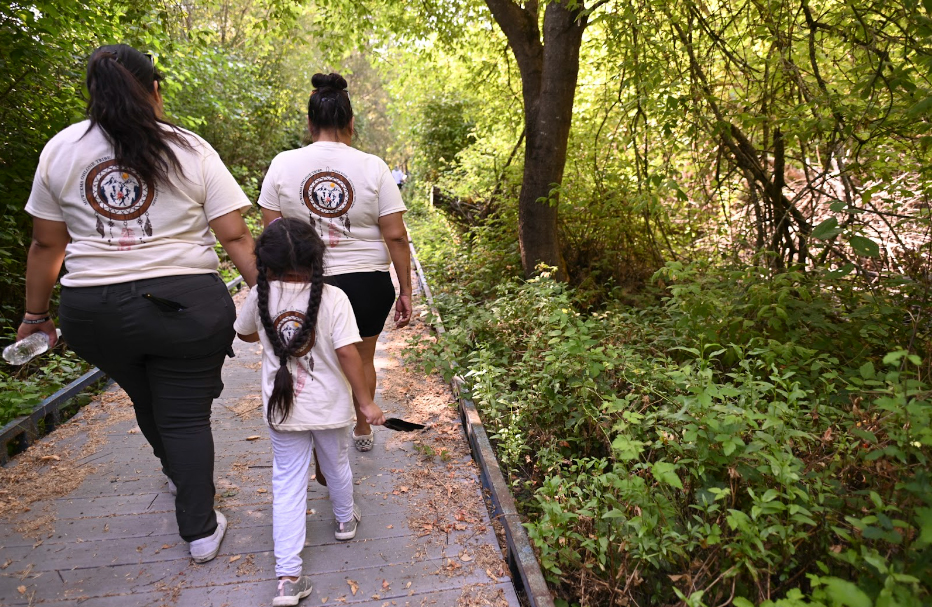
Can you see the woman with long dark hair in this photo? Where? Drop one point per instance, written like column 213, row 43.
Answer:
column 351, row 199
column 128, row 202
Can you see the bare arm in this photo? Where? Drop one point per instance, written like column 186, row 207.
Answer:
column 46, row 254
column 251, row 338
column 234, row 237
column 269, row 216
column 396, row 239
column 351, row 363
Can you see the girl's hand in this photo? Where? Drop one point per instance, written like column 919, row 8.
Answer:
column 372, row 412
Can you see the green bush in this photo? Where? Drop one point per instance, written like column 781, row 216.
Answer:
column 22, row 388
column 754, row 438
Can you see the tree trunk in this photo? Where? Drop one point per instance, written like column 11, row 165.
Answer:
column 549, row 70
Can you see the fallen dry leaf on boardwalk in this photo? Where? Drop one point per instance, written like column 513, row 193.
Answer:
column 28, row 479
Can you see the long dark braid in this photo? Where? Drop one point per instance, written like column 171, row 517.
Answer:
column 288, row 247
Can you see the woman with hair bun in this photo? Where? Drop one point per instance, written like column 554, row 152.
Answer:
column 128, row 202
column 351, row 199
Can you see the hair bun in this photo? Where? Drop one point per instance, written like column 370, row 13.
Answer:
column 331, row 80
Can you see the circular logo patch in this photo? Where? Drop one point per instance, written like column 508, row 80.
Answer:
column 288, row 324
column 327, row 193
column 117, row 192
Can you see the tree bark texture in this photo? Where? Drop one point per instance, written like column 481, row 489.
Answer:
column 549, row 69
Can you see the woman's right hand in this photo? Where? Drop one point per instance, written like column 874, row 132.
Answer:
column 47, row 327
column 46, row 253
column 402, row 311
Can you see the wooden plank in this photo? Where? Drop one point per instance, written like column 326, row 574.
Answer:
column 114, row 540
column 522, row 559
column 425, row 589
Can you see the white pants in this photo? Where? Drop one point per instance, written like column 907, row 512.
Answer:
column 290, row 472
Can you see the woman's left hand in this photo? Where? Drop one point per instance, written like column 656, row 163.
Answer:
column 402, row 311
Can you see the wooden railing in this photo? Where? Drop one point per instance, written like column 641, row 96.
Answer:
column 526, row 573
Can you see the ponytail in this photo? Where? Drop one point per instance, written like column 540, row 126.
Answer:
column 120, row 82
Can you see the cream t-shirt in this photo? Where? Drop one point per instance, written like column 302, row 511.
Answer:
column 340, row 191
column 323, row 397
column 123, row 228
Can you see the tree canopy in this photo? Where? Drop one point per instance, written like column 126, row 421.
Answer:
column 724, row 396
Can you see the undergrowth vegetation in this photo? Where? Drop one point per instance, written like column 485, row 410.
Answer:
column 742, row 436
column 24, row 388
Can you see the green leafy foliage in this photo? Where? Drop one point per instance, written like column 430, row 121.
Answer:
column 442, row 132
column 22, row 390
column 750, row 435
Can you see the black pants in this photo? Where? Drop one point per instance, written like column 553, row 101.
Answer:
column 168, row 360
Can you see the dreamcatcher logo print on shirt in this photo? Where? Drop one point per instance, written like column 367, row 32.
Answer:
column 328, row 195
column 120, row 196
column 287, row 324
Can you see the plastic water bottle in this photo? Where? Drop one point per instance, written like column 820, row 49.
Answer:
column 26, row 349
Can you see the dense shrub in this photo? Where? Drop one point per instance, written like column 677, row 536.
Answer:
column 751, row 438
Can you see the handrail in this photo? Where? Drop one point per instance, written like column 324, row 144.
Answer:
column 27, row 429
column 522, row 561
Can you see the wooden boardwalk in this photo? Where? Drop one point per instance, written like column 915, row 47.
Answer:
column 103, row 531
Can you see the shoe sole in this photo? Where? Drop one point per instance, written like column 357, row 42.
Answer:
column 289, row 601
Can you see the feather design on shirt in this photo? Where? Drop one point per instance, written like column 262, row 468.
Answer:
column 300, row 378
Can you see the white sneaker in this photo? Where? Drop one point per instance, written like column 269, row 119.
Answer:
column 206, row 548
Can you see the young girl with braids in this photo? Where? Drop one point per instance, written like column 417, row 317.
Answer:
column 310, row 371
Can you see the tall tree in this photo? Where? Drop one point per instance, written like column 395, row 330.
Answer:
column 549, row 67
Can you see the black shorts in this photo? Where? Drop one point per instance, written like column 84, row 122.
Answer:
column 371, row 294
